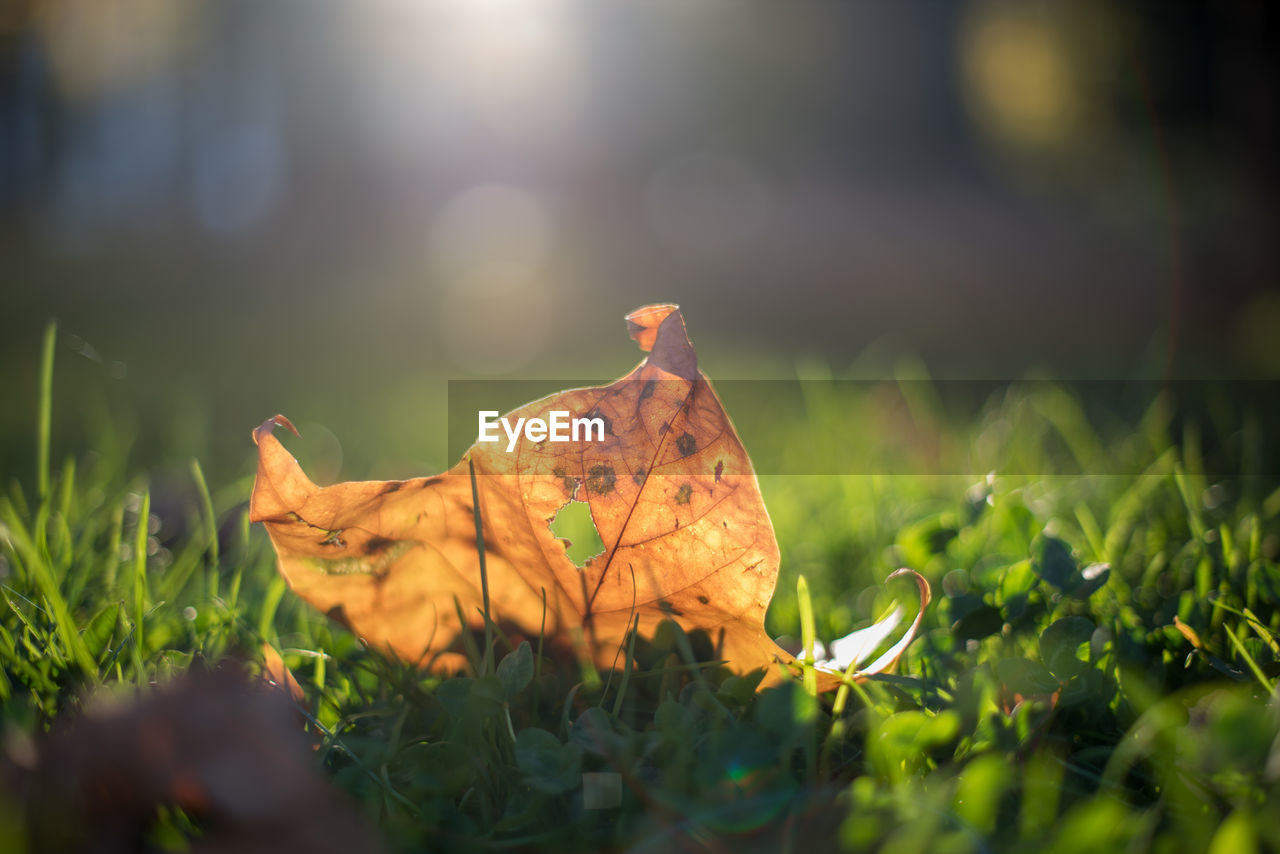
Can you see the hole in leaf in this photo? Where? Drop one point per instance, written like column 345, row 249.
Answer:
column 574, row 525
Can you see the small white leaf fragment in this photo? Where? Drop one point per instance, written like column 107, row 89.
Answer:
column 849, row 652
column 856, row 647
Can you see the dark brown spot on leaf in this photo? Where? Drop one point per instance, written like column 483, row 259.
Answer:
column 647, row 391
column 703, row 599
column 379, row 544
column 569, row 484
column 684, row 493
column 638, row 477
column 719, row 469
column 686, row 444
column 600, row 479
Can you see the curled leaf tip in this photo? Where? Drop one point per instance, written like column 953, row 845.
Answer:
column 926, row 592
column 643, row 323
column 270, row 424
column 889, row 660
column 672, row 351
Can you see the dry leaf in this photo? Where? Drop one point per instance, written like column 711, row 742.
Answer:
column 1187, row 632
column 228, row 752
column 672, row 494
column 278, row 675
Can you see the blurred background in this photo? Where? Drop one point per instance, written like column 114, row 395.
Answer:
column 330, row 209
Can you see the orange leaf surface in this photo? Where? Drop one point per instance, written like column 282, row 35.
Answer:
column 672, row 494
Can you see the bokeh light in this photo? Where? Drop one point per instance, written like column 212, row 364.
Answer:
column 325, row 200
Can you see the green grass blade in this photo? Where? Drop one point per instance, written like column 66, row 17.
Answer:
column 487, row 666
column 139, row 586
column 270, row 602
column 41, row 572
column 627, row 666
column 211, row 525
column 1248, row 659
column 44, row 417
column 808, row 635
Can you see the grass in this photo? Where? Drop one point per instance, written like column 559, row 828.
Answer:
column 1050, row 703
